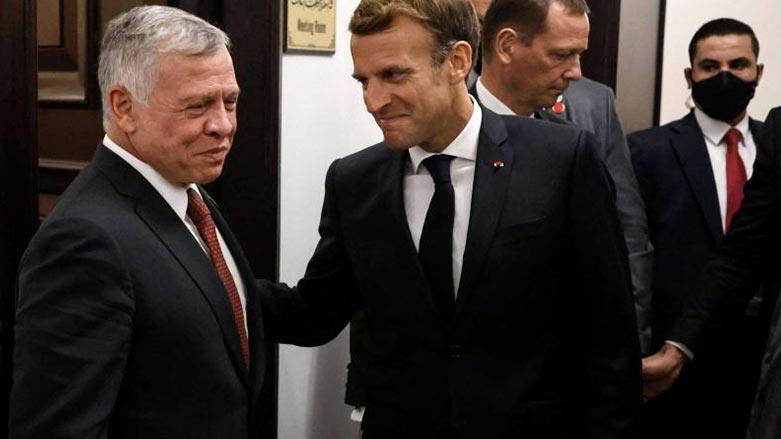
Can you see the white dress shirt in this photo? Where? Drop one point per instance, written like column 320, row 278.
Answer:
column 419, row 190
column 714, row 131
column 491, row 102
column 176, row 197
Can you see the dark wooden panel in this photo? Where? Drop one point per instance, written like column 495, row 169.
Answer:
column 600, row 61
column 248, row 190
column 659, row 62
column 18, row 164
column 69, row 54
column 69, row 134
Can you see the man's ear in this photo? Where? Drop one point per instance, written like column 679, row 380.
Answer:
column 122, row 107
column 460, row 61
column 504, row 44
column 687, row 73
column 760, row 70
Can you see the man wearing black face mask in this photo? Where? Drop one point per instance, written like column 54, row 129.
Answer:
column 691, row 174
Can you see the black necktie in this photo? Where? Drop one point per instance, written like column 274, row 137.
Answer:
column 436, row 241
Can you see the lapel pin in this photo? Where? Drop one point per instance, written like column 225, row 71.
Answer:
column 498, row 164
column 559, row 106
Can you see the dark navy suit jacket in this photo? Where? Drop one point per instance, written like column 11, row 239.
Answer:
column 123, row 327
column 543, row 342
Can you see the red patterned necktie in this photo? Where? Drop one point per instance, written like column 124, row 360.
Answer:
column 199, row 213
column 736, row 175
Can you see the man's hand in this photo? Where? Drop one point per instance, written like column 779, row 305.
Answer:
column 661, row 369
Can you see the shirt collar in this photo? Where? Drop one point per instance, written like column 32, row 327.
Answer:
column 714, row 130
column 175, row 195
column 490, row 101
column 463, row 146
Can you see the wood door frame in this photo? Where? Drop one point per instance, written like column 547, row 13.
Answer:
column 18, row 167
column 601, row 60
column 248, row 189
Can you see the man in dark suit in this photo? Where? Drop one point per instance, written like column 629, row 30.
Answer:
column 484, row 251
column 532, row 69
column 137, row 314
column 691, row 174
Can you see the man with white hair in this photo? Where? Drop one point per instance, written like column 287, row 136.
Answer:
column 136, row 312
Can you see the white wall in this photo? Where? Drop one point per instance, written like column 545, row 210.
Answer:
column 636, row 72
column 322, row 118
column 684, row 17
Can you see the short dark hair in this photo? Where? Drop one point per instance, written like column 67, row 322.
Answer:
column 528, row 17
column 449, row 21
column 720, row 27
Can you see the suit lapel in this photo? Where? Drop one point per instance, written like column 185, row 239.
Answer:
column 175, row 236
column 488, row 195
column 689, row 147
column 755, row 127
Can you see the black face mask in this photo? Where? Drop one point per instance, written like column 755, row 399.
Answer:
column 723, row 96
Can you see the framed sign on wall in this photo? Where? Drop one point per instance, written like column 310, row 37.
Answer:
column 310, row 26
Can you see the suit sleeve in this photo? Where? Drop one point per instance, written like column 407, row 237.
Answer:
column 631, row 212
column 745, row 256
column 325, row 299
column 74, row 323
column 612, row 349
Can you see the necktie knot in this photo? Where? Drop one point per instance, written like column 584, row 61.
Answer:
column 196, row 208
column 732, row 138
column 439, row 167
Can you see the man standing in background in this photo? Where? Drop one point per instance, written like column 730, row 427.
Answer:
column 531, row 67
column 691, row 174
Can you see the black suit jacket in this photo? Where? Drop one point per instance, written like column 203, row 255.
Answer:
column 543, row 342
column 123, row 328
column 747, row 256
column 591, row 106
column 676, row 180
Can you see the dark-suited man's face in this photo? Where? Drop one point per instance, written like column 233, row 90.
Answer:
column 186, row 129
column 542, row 70
column 411, row 100
column 732, row 53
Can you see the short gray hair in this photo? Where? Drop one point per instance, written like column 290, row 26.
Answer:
column 134, row 40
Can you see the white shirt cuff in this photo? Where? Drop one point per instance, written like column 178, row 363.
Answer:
column 357, row 414
column 682, row 347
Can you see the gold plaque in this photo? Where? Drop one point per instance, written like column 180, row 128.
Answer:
column 311, row 26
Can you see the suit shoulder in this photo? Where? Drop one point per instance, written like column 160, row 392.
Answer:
column 366, row 159
column 654, row 135
column 774, row 113
column 92, row 198
column 541, row 128
column 545, row 140
column 366, row 163
column 587, row 89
